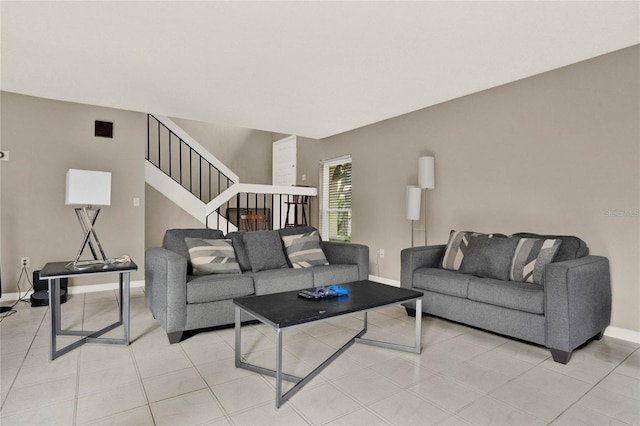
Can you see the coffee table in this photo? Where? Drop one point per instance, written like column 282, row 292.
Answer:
column 284, row 311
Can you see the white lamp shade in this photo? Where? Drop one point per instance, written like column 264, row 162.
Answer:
column 88, row 187
column 426, row 173
column 413, row 202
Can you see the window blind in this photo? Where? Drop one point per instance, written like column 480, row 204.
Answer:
column 336, row 194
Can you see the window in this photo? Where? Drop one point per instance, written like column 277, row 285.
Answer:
column 335, row 199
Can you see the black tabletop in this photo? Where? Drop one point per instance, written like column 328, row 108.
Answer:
column 61, row 269
column 288, row 309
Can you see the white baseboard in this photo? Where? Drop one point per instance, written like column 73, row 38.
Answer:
column 78, row 289
column 383, row 280
column 623, row 334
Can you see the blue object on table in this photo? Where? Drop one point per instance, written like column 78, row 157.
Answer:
column 340, row 291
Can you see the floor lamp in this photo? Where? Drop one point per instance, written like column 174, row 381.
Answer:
column 426, row 180
column 88, row 188
column 413, row 206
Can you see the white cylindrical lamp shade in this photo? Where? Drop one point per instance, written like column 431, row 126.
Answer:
column 413, row 202
column 426, row 173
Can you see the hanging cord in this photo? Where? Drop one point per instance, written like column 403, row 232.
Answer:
column 24, row 272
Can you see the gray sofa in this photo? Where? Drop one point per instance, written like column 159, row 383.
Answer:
column 569, row 306
column 181, row 301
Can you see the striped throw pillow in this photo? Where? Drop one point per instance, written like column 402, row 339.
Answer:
column 456, row 248
column 530, row 258
column 304, row 250
column 212, row 256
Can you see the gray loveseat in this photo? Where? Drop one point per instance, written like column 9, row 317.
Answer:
column 181, row 301
column 568, row 305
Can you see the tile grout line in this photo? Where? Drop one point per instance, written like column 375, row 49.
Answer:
column 208, row 387
column 141, row 383
column 592, row 388
column 23, row 360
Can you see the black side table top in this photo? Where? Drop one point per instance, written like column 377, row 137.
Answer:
column 59, row 269
column 288, row 309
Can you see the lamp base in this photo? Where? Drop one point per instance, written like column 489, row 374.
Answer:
column 85, row 264
column 87, row 217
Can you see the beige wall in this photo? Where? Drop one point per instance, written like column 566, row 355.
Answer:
column 46, row 138
column 555, row 153
column 247, row 152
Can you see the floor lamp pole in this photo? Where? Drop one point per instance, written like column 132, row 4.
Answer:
column 412, row 245
column 425, row 217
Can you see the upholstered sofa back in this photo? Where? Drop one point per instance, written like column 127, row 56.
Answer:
column 571, row 247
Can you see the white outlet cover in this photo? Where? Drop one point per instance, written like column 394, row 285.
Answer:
column 4, row 155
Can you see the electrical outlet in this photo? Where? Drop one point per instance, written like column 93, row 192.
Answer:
column 25, row 262
column 381, row 253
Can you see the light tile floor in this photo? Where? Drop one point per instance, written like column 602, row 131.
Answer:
column 463, row 376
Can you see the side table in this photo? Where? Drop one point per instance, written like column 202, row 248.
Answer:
column 54, row 271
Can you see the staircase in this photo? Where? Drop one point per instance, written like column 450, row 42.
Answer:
column 185, row 172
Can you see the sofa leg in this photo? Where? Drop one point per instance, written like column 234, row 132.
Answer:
column 175, row 337
column 599, row 336
column 410, row 312
column 560, row 356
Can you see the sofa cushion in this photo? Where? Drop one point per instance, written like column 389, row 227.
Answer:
column 211, row 288
column 489, row 257
column 334, row 274
column 241, row 251
column 304, row 250
column 531, row 257
column 571, row 247
column 441, row 281
column 526, row 297
column 174, row 240
column 278, row 280
column 264, row 249
column 457, row 247
column 212, row 256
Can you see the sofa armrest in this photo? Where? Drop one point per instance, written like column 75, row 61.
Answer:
column 349, row 254
column 577, row 301
column 166, row 288
column 418, row 257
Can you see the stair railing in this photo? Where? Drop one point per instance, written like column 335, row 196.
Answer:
column 181, row 161
column 283, row 205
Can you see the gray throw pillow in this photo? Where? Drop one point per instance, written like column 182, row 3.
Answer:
column 304, row 250
column 531, row 257
column 212, row 256
column 264, row 249
column 241, row 251
column 489, row 257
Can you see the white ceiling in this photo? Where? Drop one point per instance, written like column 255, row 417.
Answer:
column 313, row 69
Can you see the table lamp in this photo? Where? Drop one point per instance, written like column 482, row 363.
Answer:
column 88, row 188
